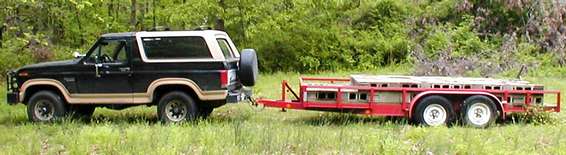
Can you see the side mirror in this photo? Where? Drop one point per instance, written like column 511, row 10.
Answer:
column 78, row 55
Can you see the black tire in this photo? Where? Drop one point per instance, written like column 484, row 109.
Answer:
column 248, row 67
column 176, row 107
column 478, row 111
column 204, row 112
column 81, row 111
column 434, row 111
column 45, row 106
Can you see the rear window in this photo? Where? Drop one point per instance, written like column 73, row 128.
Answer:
column 225, row 48
column 175, row 47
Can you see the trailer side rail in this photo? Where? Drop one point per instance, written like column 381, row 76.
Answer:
column 395, row 108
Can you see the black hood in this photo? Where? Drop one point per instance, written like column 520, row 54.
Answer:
column 51, row 64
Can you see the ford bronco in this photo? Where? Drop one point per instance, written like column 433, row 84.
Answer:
column 186, row 74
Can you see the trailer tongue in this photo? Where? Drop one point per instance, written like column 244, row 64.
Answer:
column 430, row 101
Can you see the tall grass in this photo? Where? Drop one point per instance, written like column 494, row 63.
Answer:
column 243, row 129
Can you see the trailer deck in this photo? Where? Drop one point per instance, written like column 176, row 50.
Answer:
column 400, row 95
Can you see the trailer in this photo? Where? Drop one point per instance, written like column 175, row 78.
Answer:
column 427, row 100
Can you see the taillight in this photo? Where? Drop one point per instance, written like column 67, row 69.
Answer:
column 223, row 78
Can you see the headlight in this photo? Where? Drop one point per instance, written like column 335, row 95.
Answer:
column 12, row 80
column 14, row 83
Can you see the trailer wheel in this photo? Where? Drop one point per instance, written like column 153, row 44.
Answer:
column 478, row 111
column 434, row 111
column 176, row 107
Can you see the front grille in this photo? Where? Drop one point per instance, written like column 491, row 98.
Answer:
column 11, row 83
column 8, row 84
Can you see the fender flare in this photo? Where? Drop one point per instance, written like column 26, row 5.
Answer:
column 43, row 81
column 420, row 95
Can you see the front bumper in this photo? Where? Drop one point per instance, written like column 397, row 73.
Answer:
column 13, row 97
column 12, row 93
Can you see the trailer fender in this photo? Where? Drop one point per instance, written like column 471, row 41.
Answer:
column 423, row 94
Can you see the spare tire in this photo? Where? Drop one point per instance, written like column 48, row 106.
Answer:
column 248, row 67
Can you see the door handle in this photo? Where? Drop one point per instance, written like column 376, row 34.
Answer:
column 124, row 69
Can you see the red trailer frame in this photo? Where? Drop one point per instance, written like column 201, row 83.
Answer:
column 403, row 109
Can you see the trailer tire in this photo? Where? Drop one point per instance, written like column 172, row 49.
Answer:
column 434, row 111
column 176, row 107
column 478, row 111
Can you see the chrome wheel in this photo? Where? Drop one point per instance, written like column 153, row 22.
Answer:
column 176, row 111
column 479, row 114
column 44, row 110
column 434, row 115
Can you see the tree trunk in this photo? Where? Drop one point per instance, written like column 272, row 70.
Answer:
column 1, row 37
column 242, row 22
column 153, row 14
column 133, row 21
column 142, row 12
column 183, row 24
column 146, row 8
column 219, row 21
column 78, row 17
column 110, row 7
column 17, row 21
column 116, row 6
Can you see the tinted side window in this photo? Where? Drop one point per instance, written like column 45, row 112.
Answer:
column 225, row 48
column 109, row 51
column 175, row 47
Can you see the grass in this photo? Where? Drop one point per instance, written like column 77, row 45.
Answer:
column 243, row 129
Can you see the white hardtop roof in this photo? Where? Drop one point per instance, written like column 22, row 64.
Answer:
column 212, row 33
column 434, row 80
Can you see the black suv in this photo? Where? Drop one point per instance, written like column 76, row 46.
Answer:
column 185, row 73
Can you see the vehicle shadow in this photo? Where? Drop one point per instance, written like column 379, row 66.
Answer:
column 343, row 119
column 121, row 119
column 132, row 118
column 542, row 118
column 337, row 119
column 99, row 119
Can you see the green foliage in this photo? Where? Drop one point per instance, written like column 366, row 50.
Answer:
column 441, row 9
column 11, row 59
column 385, row 16
column 461, row 40
column 301, row 35
column 20, row 51
column 535, row 116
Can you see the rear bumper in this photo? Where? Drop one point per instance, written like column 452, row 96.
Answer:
column 233, row 98
column 239, row 95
